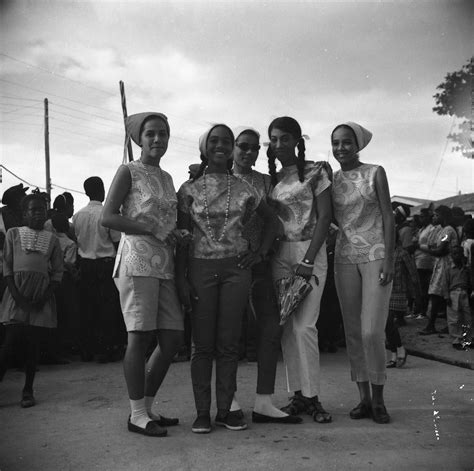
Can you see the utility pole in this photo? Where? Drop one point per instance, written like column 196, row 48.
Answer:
column 46, row 149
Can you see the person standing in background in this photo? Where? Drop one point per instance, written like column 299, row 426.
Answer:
column 101, row 325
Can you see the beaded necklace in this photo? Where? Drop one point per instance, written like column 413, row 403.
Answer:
column 206, row 208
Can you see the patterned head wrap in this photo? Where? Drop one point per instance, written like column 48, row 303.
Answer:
column 134, row 124
column 363, row 136
column 203, row 139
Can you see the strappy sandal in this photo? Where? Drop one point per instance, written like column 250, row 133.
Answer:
column 316, row 410
column 296, row 406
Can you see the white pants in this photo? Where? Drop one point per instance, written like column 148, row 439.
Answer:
column 364, row 305
column 299, row 341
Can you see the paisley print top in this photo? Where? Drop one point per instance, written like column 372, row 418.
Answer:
column 253, row 229
column 207, row 241
column 357, row 211
column 294, row 201
column 152, row 199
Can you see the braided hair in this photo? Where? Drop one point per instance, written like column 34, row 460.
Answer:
column 289, row 125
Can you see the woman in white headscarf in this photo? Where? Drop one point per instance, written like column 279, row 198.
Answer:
column 363, row 264
column 214, row 275
column 141, row 204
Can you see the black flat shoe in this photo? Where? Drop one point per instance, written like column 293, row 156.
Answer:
column 391, row 364
column 152, row 429
column 380, row 414
column 361, row 411
column 166, row 421
column 266, row 419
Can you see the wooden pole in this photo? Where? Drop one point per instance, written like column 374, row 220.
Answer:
column 46, row 149
column 128, row 144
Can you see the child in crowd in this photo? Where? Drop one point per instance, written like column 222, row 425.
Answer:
column 458, row 312
column 33, row 268
column 404, row 275
column 66, row 296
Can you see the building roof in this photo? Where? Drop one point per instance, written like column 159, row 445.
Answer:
column 408, row 200
column 464, row 201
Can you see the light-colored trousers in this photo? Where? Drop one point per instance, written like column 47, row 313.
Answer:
column 364, row 305
column 299, row 340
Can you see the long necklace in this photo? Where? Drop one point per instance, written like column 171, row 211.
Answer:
column 206, row 209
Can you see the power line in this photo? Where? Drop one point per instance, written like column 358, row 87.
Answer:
column 53, row 185
column 57, row 96
column 20, row 98
column 441, row 159
column 55, row 74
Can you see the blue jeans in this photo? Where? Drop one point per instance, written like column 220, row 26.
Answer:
column 222, row 289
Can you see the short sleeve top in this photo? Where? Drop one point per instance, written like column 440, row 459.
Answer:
column 206, row 200
column 151, row 199
column 253, row 229
column 357, row 210
column 294, row 200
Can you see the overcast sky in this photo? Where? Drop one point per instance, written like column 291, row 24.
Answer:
column 238, row 62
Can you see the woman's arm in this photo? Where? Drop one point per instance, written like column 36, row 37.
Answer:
column 324, row 211
column 270, row 229
column 383, row 195
column 111, row 216
column 185, row 291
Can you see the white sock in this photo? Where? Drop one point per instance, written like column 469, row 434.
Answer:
column 139, row 416
column 263, row 405
column 149, row 400
column 235, row 405
column 401, row 352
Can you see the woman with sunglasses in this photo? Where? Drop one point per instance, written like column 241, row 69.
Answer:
column 302, row 198
column 262, row 296
column 214, row 274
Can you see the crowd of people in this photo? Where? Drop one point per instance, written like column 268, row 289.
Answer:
column 154, row 272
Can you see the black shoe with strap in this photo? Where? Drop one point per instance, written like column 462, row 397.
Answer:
column 297, row 405
column 316, row 410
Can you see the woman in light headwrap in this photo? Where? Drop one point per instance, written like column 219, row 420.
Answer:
column 142, row 205
column 302, row 198
column 363, row 264
column 214, row 275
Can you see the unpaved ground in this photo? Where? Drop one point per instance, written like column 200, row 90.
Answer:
column 80, row 424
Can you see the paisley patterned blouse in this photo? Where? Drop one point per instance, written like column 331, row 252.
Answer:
column 357, row 210
column 294, row 201
column 253, row 230
column 210, row 239
column 152, row 198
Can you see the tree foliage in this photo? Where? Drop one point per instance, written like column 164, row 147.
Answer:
column 455, row 98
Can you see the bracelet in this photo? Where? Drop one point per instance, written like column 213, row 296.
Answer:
column 307, row 263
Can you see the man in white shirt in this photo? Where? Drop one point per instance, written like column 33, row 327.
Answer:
column 102, row 327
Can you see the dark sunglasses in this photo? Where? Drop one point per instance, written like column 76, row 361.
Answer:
column 246, row 147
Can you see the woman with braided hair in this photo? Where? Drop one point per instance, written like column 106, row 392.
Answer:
column 302, row 198
column 214, row 275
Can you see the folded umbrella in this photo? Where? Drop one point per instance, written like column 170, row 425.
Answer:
column 291, row 291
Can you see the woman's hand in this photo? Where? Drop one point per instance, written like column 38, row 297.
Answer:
column 182, row 237
column 248, row 259
column 23, row 303
column 386, row 275
column 305, row 272
column 186, row 293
